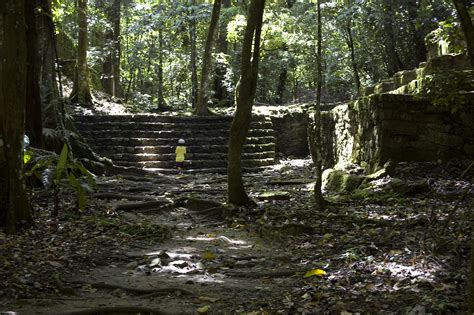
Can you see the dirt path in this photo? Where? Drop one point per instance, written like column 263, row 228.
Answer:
column 379, row 254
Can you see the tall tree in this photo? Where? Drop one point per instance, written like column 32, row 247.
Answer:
column 318, row 196
column 193, row 54
column 14, row 202
column 467, row 27
column 244, row 98
column 220, row 90
column 34, row 125
column 389, row 38
column 201, row 106
column 159, row 70
column 81, row 92
column 111, row 66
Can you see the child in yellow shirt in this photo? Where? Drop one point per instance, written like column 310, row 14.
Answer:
column 180, row 154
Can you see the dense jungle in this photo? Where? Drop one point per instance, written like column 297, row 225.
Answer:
column 236, row 157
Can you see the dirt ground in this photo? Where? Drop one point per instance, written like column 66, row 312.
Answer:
column 183, row 251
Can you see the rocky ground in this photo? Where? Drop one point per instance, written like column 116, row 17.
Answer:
column 169, row 245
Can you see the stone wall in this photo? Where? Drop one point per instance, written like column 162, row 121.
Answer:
column 291, row 134
column 337, row 136
column 424, row 114
column 410, row 128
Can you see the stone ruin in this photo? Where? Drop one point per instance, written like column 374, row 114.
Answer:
column 426, row 114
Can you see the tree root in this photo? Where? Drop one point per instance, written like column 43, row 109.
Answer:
column 117, row 310
column 142, row 205
column 137, row 291
column 113, row 196
column 269, row 274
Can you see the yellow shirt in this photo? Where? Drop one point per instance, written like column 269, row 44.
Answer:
column 180, row 153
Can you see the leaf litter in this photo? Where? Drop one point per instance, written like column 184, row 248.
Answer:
column 377, row 253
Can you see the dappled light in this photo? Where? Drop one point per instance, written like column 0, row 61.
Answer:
column 236, row 157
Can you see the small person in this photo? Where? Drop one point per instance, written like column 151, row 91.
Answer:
column 180, row 154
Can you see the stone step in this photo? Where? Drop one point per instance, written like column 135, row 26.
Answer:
column 196, row 164
column 125, row 141
column 160, row 118
column 127, row 157
column 216, row 170
column 132, row 125
column 170, row 149
column 168, row 134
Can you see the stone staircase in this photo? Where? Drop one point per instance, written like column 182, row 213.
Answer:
column 149, row 141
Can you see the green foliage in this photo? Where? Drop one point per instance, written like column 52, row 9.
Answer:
column 160, row 30
column 51, row 170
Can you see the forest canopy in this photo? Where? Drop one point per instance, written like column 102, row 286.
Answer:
column 159, row 46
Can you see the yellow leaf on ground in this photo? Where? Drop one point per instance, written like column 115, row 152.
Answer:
column 203, row 310
column 208, row 255
column 315, row 272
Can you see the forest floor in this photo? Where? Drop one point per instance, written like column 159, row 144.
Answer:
column 180, row 252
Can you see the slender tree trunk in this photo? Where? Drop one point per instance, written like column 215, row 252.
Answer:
column 161, row 99
column 419, row 47
column 394, row 64
column 34, row 123
column 245, row 97
column 282, row 78
column 221, row 93
column 201, row 106
column 81, row 90
column 111, row 67
column 350, row 44
column 318, row 196
column 14, row 202
column 467, row 27
column 193, row 65
column 53, row 111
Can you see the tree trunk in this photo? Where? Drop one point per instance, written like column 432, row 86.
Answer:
column 318, row 196
column 111, row 67
column 34, row 124
column 350, row 44
column 245, row 97
column 193, row 62
column 201, row 106
column 282, row 78
column 389, row 39
column 81, row 91
column 161, row 99
column 419, row 48
column 220, row 91
column 467, row 27
column 14, row 202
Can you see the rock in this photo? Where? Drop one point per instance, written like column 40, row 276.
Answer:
column 340, row 181
column 274, row 195
column 398, row 186
column 409, row 188
column 418, row 187
column 381, row 173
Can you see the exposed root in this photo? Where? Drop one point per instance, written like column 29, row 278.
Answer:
column 118, row 310
column 142, row 205
column 139, row 291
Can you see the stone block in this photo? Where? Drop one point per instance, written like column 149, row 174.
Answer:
column 368, row 90
column 384, row 87
column 340, row 181
column 398, row 127
column 404, row 77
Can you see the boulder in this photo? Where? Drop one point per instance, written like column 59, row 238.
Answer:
column 340, row 181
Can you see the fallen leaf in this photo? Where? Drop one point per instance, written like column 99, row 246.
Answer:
column 208, row 255
column 203, row 310
column 315, row 272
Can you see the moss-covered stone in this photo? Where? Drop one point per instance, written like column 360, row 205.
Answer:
column 340, row 181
